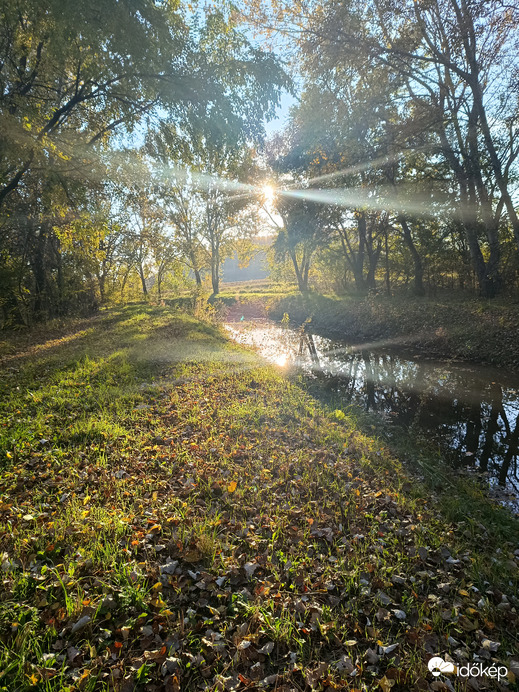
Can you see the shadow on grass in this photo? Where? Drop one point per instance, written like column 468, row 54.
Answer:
column 461, row 499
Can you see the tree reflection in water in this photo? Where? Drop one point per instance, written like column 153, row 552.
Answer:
column 473, row 411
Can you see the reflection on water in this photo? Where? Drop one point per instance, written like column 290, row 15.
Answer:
column 472, row 410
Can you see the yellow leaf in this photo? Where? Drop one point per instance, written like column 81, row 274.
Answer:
column 386, row 684
column 232, row 486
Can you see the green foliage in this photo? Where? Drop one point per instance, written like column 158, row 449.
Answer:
column 71, row 78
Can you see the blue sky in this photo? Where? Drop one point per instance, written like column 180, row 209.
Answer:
column 280, row 121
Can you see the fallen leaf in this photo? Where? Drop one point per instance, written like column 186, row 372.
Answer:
column 266, row 649
column 81, row 623
column 385, row 684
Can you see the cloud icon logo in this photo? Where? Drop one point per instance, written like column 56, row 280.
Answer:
column 437, row 666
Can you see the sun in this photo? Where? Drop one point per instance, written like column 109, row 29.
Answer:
column 281, row 360
column 268, row 193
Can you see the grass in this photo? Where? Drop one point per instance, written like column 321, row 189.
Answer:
column 260, row 288
column 176, row 515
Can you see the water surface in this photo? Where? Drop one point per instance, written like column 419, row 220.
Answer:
column 471, row 411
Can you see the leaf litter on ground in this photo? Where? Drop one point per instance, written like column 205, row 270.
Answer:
column 219, row 529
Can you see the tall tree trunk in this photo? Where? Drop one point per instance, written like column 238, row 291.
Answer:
column 215, row 280
column 40, row 277
column 487, row 276
column 493, row 275
column 352, row 263
column 301, row 272
column 490, row 221
column 418, row 289
column 467, row 181
column 388, row 276
column 61, row 280
column 215, row 276
column 101, row 281
column 306, row 268
column 372, row 268
column 215, row 264
column 125, row 278
column 160, row 276
column 479, row 106
column 358, row 261
column 299, row 275
column 196, row 271
column 143, row 278
column 373, row 254
column 477, row 259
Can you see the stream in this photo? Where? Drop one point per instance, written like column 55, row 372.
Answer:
column 470, row 411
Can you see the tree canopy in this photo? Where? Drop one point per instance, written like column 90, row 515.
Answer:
column 76, row 81
column 132, row 146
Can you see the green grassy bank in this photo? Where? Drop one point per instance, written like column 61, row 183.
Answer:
column 464, row 329
column 175, row 515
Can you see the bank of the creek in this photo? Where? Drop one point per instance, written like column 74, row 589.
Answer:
column 471, row 411
column 467, row 330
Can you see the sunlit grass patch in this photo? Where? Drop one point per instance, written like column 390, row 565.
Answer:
column 198, row 514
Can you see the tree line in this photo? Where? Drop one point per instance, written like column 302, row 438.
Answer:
column 132, row 145
column 104, row 106
column 405, row 138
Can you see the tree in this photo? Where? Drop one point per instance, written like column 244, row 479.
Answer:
column 72, row 74
column 45, row 272
column 208, row 194
column 71, row 77
column 341, row 140
column 183, row 208
column 450, row 66
column 224, row 210
column 146, row 226
column 299, row 237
